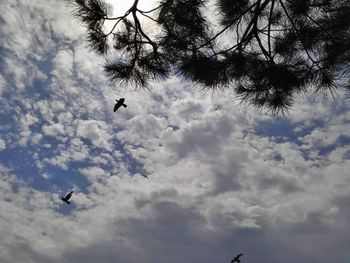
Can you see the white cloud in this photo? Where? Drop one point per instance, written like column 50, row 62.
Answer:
column 94, row 174
column 96, row 132
column 54, row 130
column 3, row 84
column 2, row 145
column 36, row 138
column 63, row 64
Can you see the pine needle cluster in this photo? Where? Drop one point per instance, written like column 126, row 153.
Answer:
column 268, row 51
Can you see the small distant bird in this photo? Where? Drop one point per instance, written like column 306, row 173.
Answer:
column 67, row 197
column 145, row 176
column 119, row 103
column 236, row 258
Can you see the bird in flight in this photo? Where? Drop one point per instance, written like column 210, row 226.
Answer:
column 236, row 258
column 67, row 197
column 145, row 176
column 119, row 103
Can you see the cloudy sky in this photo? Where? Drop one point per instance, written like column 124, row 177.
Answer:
column 223, row 178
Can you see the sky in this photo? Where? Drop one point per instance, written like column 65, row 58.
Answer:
column 223, row 179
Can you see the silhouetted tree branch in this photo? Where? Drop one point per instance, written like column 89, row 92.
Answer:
column 267, row 50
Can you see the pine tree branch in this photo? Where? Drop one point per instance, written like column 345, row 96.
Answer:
column 138, row 25
column 117, row 18
column 269, row 26
column 274, row 37
column 301, row 41
column 255, row 29
column 149, row 17
column 227, row 27
column 138, row 28
column 320, row 26
column 149, row 11
column 115, row 25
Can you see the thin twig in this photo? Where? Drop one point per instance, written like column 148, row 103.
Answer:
column 149, row 11
column 269, row 28
column 227, row 27
column 149, row 17
column 301, row 41
column 255, row 30
column 138, row 24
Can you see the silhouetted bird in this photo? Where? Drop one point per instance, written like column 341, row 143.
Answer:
column 119, row 103
column 145, row 176
column 236, row 258
column 68, row 196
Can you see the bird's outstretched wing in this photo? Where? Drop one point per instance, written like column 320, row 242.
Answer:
column 117, row 106
column 236, row 258
column 68, row 196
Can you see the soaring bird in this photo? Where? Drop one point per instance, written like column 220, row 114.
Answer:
column 236, row 258
column 67, row 197
column 146, row 176
column 119, row 103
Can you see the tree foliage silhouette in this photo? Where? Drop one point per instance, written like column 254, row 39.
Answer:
column 267, row 50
